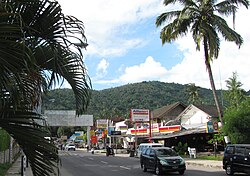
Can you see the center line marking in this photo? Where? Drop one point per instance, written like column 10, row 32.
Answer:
column 125, row 167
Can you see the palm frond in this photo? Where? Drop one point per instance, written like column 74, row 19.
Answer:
column 25, row 129
column 228, row 33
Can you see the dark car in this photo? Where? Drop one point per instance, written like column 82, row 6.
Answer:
column 161, row 160
column 237, row 158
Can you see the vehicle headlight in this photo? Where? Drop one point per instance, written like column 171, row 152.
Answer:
column 163, row 162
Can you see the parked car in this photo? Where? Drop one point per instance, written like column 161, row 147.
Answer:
column 70, row 147
column 162, row 159
column 237, row 158
column 144, row 146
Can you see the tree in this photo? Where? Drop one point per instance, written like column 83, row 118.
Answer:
column 237, row 121
column 39, row 48
column 193, row 92
column 234, row 95
column 200, row 17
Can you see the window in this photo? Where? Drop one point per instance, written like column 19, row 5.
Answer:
column 248, row 151
column 240, row 150
column 230, row 150
column 152, row 152
column 147, row 151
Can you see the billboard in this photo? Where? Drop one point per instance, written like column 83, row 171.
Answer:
column 102, row 123
column 140, row 115
column 67, row 118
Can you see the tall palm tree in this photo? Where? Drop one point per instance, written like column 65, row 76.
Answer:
column 39, row 47
column 201, row 17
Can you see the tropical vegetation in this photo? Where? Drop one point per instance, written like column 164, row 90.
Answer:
column 117, row 102
column 235, row 94
column 40, row 47
column 237, row 122
column 201, row 18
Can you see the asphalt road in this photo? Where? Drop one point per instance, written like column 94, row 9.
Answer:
column 78, row 163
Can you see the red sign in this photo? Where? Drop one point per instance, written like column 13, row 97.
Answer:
column 93, row 139
column 139, row 131
column 169, row 129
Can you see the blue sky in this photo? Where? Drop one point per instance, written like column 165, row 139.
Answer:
column 125, row 47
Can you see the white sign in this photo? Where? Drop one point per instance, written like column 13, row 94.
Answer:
column 67, row 118
column 102, row 123
column 139, row 115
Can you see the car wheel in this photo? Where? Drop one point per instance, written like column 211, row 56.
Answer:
column 181, row 172
column 229, row 170
column 143, row 167
column 157, row 170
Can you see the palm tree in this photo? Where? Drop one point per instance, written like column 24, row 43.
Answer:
column 235, row 94
column 193, row 92
column 39, row 47
column 201, row 17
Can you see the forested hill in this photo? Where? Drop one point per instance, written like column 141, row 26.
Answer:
column 117, row 102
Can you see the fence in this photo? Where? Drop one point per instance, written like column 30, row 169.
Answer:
column 8, row 156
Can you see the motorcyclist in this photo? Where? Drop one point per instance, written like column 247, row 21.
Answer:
column 108, row 151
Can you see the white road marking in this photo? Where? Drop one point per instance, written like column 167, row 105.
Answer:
column 125, row 167
column 91, row 158
column 104, row 162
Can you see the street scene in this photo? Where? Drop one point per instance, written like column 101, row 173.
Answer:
column 124, row 87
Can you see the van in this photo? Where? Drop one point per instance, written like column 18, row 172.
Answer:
column 144, row 146
column 237, row 158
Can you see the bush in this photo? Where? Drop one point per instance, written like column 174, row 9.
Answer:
column 181, row 148
column 4, row 140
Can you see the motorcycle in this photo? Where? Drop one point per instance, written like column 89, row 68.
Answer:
column 110, row 151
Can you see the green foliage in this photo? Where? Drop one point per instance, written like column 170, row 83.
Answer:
column 237, row 122
column 181, row 148
column 219, row 137
column 4, row 140
column 235, row 94
column 4, row 168
column 117, row 102
column 193, row 93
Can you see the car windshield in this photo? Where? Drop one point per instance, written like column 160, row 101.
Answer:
column 166, row 152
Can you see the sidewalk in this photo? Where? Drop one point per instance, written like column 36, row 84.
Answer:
column 15, row 170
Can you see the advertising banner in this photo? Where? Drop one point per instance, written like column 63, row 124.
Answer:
column 102, row 123
column 139, row 115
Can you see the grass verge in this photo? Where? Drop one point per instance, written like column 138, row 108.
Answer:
column 4, row 168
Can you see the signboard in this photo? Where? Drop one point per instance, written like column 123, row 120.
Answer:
column 110, row 129
column 169, row 129
column 79, row 133
column 116, row 133
column 101, row 123
column 210, row 127
column 67, row 118
column 140, row 115
column 93, row 139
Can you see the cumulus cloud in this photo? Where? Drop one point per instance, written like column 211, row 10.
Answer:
column 109, row 28
column 149, row 70
column 107, row 22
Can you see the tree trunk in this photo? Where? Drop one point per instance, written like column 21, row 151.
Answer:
column 211, row 79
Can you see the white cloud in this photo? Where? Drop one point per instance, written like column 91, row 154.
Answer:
column 102, row 66
column 149, row 70
column 106, row 22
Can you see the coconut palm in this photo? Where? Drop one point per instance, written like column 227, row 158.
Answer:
column 39, row 47
column 201, row 18
column 193, row 93
column 235, row 94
